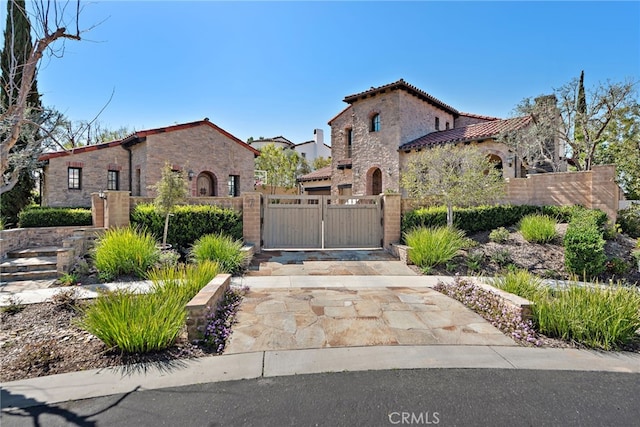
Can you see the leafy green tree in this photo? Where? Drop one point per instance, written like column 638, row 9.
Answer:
column 622, row 148
column 283, row 166
column 583, row 117
column 170, row 190
column 321, row 162
column 453, row 176
column 17, row 44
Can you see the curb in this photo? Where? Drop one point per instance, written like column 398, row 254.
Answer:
column 125, row 379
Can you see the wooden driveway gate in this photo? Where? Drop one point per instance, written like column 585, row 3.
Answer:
column 322, row 222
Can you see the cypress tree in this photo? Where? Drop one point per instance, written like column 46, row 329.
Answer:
column 581, row 111
column 17, row 42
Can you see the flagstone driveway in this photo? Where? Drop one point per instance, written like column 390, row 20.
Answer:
column 302, row 318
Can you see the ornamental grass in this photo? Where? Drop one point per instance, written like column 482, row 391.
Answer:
column 142, row 323
column 434, row 246
column 538, row 228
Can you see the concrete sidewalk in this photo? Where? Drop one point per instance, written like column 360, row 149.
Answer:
column 104, row 382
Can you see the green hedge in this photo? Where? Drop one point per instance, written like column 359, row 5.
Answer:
column 629, row 220
column 188, row 223
column 54, row 217
column 584, row 244
column 482, row 218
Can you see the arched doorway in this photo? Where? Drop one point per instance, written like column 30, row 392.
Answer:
column 206, row 185
column 374, row 184
column 497, row 162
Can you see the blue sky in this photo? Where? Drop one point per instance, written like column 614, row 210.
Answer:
column 283, row 68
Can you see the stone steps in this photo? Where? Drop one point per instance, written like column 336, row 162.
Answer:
column 30, row 264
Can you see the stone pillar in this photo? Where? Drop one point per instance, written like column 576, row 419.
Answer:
column 97, row 210
column 391, row 205
column 251, row 220
column 116, row 211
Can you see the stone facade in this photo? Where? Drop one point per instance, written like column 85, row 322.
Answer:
column 209, row 154
column 374, row 161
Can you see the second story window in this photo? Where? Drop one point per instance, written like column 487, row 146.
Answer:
column 446, row 125
column 113, row 180
column 349, row 143
column 437, row 123
column 375, row 123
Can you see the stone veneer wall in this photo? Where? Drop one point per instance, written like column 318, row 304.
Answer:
column 403, row 118
column 95, row 166
column 23, row 238
column 199, row 148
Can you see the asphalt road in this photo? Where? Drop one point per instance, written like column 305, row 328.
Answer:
column 443, row 397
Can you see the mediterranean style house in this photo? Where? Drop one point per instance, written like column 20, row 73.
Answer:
column 374, row 137
column 216, row 163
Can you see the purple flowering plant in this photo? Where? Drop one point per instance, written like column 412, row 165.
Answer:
column 493, row 309
column 221, row 318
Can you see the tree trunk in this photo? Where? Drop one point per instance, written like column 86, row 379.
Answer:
column 166, row 229
column 449, row 215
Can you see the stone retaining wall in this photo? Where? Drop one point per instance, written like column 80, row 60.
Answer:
column 203, row 302
column 23, row 238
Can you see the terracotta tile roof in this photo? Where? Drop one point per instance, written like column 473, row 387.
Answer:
column 322, row 173
column 468, row 133
column 478, row 116
column 139, row 136
column 401, row 84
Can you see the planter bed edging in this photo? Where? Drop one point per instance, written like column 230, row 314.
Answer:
column 199, row 306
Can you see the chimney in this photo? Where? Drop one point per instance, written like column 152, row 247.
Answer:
column 318, row 136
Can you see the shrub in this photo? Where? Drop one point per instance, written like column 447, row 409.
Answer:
column 434, row 246
column 629, row 220
column 54, row 217
column 474, row 260
column 67, row 299
column 584, row 245
column 502, row 257
column 538, row 228
column 617, row 265
column 225, row 250
column 499, row 235
column 125, row 251
column 483, row 218
column 599, row 317
column 189, row 223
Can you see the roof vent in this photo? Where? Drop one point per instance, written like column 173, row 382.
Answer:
column 206, row 119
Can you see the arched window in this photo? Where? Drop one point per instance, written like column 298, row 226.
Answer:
column 375, row 123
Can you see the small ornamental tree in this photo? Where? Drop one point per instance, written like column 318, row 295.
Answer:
column 282, row 166
column 170, row 190
column 453, row 176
